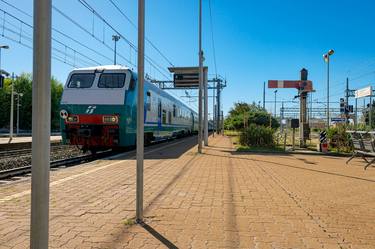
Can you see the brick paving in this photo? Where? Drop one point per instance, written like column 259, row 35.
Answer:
column 221, row 199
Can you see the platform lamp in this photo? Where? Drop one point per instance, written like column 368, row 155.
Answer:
column 1, row 72
column 326, row 58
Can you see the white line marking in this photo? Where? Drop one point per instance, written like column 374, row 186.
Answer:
column 57, row 182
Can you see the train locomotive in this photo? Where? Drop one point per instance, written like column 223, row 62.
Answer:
column 98, row 110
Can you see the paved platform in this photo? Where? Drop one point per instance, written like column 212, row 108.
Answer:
column 221, row 199
column 5, row 140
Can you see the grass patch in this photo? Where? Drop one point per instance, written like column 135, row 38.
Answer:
column 259, row 149
column 129, row 222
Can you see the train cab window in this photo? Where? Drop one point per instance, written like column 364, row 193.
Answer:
column 81, row 80
column 111, row 80
column 148, row 101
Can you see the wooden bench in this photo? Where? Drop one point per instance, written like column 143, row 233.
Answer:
column 363, row 146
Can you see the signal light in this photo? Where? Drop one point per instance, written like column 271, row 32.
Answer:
column 110, row 119
column 72, row 119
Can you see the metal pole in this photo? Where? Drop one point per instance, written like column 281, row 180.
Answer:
column 347, row 101
column 205, row 108
column 282, row 117
column 11, row 111
column 370, row 111
column 41, row 125
column 200, row 80
column 218, row 107
column 264, row 95
column 115, row 52
column 275, row 103
column 213, row 111
column 356, row 114
column 18, row 113
column 140, row 109
column 328, row 91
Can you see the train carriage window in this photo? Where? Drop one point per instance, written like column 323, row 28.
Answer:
column 169, row 118
column 174, row 111
column 164, row 118
column 111, row 80
column 81, row 80
column 148, row 101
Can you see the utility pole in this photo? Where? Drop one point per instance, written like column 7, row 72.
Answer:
column 218, row 105
column 200, row 79
column 41, row 124
column 264, row 95
column 115, row 38
column 275, row 103
column 356, row 114
column 140, row 110
column 326, row 58
column 205, row 107
column 214, row 109
column 11, row 112
column 347, row 101
column 282, row 117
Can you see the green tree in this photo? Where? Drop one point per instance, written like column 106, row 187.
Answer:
column 23, row 84
column 245, row 114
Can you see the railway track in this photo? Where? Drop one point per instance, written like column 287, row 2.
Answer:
column 5, row 174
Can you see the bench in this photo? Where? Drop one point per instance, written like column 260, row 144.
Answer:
column 363, row 146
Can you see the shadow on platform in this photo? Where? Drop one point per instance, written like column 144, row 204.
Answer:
column 158, row 236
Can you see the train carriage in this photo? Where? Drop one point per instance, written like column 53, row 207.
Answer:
column 98, row 110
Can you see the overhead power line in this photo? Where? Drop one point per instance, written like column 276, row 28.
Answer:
column 135, row 26
column 212, row 37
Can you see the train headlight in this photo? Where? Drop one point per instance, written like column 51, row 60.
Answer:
column 72, row 119
column 110, row 119
column 64, row 114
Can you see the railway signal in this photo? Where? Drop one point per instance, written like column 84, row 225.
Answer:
column 303, row 86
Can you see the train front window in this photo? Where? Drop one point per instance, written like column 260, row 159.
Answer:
column 111, row 80
column 81, row 80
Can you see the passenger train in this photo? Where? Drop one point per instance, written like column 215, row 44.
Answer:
column 99, row 110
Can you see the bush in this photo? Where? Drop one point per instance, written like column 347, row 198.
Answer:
column 338, row 138
column 258, row 136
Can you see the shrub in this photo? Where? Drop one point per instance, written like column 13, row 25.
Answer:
column 338, row 138
column 258, row 136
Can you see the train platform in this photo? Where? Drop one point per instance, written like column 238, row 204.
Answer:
column 218, row 199
column 27, row 139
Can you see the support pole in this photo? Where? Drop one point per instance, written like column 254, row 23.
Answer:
column 347, row 101
column 41, row 125
column 11, row 112
column 328, row 59
column 214, row 110
column 200, row 80
column 370, row 111
column 356, row 114
column 205, row 107
column 18, row 113
column 218, row 107
column 264, row 95
column 140, row 110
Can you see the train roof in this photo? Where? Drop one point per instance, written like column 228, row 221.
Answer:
column 103, row 67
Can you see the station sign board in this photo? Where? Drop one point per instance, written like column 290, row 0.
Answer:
column 364, row 92
column 338, row 120
column 186, row 77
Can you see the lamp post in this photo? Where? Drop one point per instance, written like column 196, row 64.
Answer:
column 115, row 38
column 275, row 102
column 19, row 95
column 326, row 58
column 2, row 47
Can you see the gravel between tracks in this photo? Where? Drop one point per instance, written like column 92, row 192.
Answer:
column 24, row 159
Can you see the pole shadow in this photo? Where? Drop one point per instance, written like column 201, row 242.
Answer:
column 158, row 236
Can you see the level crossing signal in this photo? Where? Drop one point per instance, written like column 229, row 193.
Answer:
column 323, row 137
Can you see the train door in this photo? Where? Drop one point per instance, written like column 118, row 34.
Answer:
column 159, row 113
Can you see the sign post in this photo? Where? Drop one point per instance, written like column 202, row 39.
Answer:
column 140, row 111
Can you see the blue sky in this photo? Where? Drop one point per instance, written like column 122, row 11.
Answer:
column 255, row 41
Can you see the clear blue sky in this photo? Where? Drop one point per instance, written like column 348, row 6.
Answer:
column 255, row 40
